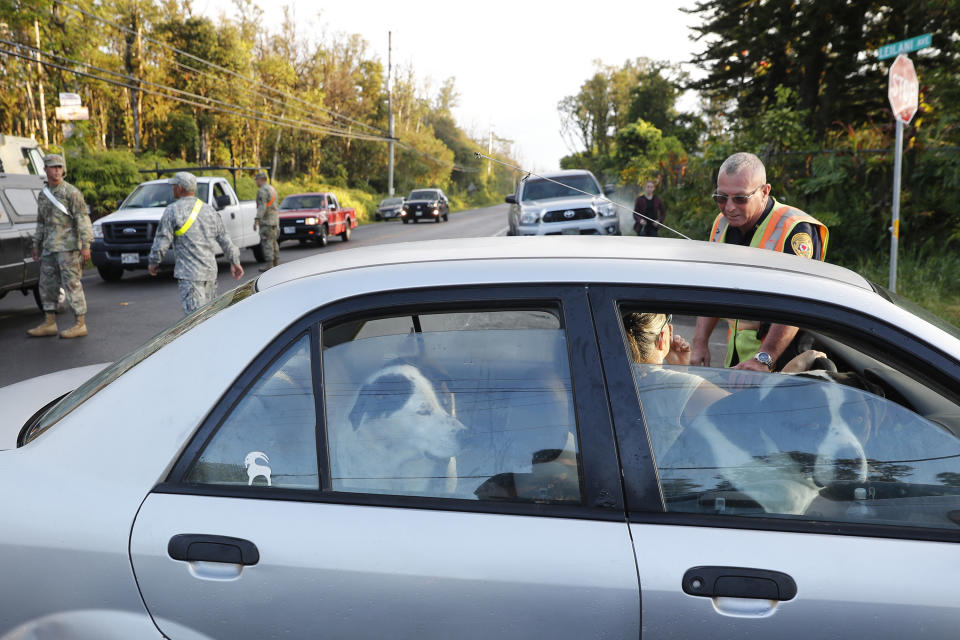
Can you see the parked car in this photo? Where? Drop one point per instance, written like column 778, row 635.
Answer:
column 122, row 239
column 450, row 439
column 18, row 222
column 426, row 204
column 314, row 217
column 561, row 202
column 389, row 208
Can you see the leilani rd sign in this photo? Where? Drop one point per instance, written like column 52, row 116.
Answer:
column 904, row 89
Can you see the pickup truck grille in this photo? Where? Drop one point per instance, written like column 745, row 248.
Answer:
column 578, row 214
column 132, row 232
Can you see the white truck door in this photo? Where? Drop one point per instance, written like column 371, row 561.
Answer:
column 223, row 194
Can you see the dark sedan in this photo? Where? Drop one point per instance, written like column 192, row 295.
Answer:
column 426, row 204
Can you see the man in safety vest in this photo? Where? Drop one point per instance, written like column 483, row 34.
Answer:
column 268, row 221
column 197, row 234
column 750, row 217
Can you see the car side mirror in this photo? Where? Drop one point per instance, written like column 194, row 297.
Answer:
column 332, row 206
column 222, row 201
column 511, row 199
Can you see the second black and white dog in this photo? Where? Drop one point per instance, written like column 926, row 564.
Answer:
column 398, row 436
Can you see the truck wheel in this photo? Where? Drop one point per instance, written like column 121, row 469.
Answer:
column 405, row 221
column 257, row 252
column 322, row 238
column 110, row 273
column 439, row 219
column 36, row 297
column 345, row 234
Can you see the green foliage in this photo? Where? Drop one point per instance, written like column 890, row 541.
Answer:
column 926, row 277
column 104, row 177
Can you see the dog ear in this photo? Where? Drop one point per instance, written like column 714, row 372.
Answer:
column 381, row 397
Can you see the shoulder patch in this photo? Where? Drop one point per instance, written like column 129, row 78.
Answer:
column 802, row 245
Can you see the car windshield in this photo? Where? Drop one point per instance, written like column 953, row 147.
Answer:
column 157, row 194
column 302, row 202
column 391, row 202
column 563, row 187
column 423, row 195
column 85, row 391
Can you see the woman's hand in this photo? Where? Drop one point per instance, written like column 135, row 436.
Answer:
column 679, row 351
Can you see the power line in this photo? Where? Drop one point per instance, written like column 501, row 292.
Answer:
column 253, row 81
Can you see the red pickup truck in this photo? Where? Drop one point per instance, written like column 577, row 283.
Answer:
column 314, row 217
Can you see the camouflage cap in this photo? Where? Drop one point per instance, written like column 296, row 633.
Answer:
column 53, row 160
column 261, row 174
column 184, row 180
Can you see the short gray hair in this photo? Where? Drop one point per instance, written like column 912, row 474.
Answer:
column 184, row 180
column 743, row 161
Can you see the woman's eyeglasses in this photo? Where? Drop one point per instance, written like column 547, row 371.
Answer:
column 665, row 323
column 721, row 198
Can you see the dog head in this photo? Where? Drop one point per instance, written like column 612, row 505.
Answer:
column 398, row 408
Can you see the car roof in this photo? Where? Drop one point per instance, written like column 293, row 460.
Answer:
column 621, row 252
column 560, row 173
column 199, row 179
column 306, row 193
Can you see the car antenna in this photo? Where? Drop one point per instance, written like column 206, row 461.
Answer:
column 477, row 154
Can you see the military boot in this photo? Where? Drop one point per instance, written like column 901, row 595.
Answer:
column 276, row 262
column 48, row 328
column 76, row 331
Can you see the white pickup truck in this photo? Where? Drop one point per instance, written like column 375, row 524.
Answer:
column 122, row 240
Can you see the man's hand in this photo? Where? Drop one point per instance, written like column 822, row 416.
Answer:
column 237, row 271
column 254, row 225
column 152, row 268
column 752, row 365
column 700, row 355
column 35, row 254
column 85, row 254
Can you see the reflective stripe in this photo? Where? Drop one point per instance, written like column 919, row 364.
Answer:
column 53, row 200
column 193, row 216
column 719, row 228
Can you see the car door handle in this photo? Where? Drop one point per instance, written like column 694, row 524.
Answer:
column 738, row 582
column 193, row 547
column 233, row 215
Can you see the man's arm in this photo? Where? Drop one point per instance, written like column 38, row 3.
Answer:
column 776, row 341
column 700, row 356
column 81, row 213
column 161, row 242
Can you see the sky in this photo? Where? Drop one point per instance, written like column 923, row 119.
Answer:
column 512, row 62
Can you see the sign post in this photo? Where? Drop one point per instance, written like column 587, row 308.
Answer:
column 903, row 91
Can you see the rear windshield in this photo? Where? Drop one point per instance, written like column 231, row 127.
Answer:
column 423, row 195
column 80, row 395
column 157, row 194
column 560, row 187
column 302, row 202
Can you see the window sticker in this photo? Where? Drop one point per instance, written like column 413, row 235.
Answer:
column 255, row 469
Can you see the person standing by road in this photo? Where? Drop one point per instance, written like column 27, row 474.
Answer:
column 651, row 209
column 195, row 230
column 61, row 244
column 267, row 221
column 750, row 217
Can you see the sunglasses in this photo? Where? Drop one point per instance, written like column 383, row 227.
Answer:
column 665, row 323
column 721, row 198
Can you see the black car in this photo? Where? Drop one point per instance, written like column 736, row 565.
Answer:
column 426, row 204
column 18, row 221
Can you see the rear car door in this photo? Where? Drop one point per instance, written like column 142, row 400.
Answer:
column 431, row 464
column 789, row 505
column 232, row 220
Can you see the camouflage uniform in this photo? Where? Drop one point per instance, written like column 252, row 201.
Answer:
column 196, row 250
column 268, row 223
column 59, row 238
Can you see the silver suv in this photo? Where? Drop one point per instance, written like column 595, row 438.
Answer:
column 561, row 202
column 18, row 221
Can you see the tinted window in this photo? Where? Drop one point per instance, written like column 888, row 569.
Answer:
column 269, row 439
column 302, row 202
column 426, row 194
column 864, row 444
column 391, row 202
column 473, row 405
column 561, row 187
column 158, row 194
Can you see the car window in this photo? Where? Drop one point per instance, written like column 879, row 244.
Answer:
column 302, row 202
column 269, row 438
column 118, row 368
column 23, row 201
column 218, row 190
column 560, row 187
column 158, row 194
column 862, row 444
column 4, row 218
column 425, row 194
column 471, row 404
column 389, row 202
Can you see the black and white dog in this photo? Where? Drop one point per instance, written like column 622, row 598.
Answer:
column 398, row 436
column 778, row 443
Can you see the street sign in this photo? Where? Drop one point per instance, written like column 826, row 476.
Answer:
column 903, row 89
column 73, row 113
column 69, row 100
column 905, row 46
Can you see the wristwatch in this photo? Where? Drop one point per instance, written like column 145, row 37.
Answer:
column 765, row 358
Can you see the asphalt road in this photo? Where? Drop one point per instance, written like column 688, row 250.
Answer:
column 123, row 315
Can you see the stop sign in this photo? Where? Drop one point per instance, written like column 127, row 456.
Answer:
column 904, row 89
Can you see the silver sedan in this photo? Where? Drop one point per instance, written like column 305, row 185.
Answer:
column 458, row 439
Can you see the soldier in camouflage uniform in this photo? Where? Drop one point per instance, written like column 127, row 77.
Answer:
column 267, row 221
column 61, row 244
column 195, row 230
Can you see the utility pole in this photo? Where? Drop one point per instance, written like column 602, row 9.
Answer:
column 389, row 115
column 489, row 149
column 43, row 108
